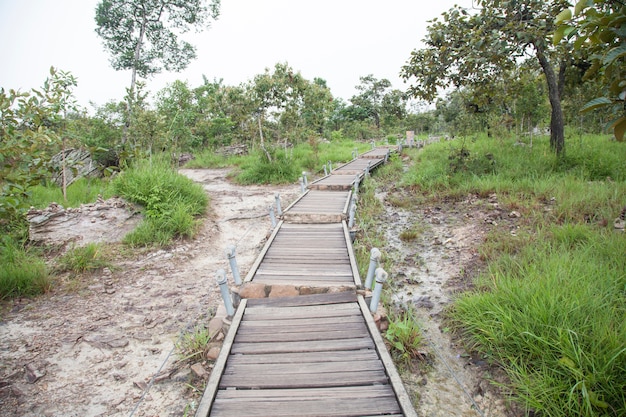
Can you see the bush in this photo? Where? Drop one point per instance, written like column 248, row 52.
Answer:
column 83, row 258
column 171, row 202
column 21, row 272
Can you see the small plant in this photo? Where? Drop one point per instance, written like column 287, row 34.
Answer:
column 404, row 337
column 194, row 344
column 83, row 259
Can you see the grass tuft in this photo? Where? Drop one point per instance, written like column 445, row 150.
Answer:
column 21, row 272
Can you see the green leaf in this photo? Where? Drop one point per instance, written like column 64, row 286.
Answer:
column 614, row 54
column 580, row 6
column 559, row 34
column 619, row 128
column 563, row 16
column 595, row 104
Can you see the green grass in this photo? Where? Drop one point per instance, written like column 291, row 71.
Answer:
column 404, row 337
column 21, row 272
column 84, row 259
column 554, row 317
column 82, row 191
column 171, row 202
column 551, row 308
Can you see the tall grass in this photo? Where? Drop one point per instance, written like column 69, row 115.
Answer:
column 171, row 202
column 555, row 319
column 21, row 272
column 551, row 308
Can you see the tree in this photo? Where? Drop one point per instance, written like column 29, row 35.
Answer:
column 370, row 97
column 474, row 49
column 31, row 130
column 598, row 29
column 143, row 35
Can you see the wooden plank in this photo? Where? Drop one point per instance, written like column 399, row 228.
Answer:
column 308, row 300
column 214, row 380
column 394, row 377
column 313, row 368
column 284, row 328
column 310, row 357
column 286, row 347
column 329, row 379
column 301, row 336
column 357, row 392
column 311, row 407
column 309, row 322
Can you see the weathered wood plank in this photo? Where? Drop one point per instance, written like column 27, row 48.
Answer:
column 312, row 407
column 286, row 347
column 354, row 393
column 255, row 337
column 253, row 328
column 312, row 380
column 314, row 368
column 305, row 300
column 310, row 357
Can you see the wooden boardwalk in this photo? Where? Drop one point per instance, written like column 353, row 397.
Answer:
column 308, row 355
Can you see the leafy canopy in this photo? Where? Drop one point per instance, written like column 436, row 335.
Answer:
column 144, row 34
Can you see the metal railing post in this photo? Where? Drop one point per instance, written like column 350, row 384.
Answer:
column 374, row 262
column 305, row 179
column 302, row 187
column 223, row 284
column 381, row 277
column 232, row 260
column 279, row 209
column 272, row 216
column 352, row 216
column 325, row 170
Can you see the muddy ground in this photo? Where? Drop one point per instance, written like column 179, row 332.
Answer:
column 91, row 345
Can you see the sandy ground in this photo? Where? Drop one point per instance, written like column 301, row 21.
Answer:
column 90, row 346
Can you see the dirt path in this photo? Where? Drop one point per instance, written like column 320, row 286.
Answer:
column 89, row 347
column 428, row 271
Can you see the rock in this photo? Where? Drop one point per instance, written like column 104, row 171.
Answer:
column 34, row 373
column 199, row 371
column 423, row 301
column 283, row 291
column 215, row 326
column 213, row 353
column 78, row 163
column 515, row 214
column 253, row 290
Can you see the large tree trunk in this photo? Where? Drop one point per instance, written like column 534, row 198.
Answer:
column 557, row 132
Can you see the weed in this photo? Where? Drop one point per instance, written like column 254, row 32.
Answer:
column 83, row 259
column 194, row 345
column 404, row 337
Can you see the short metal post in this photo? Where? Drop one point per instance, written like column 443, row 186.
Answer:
column 373, row 144
column 381, row 277
column 330, row 167
column 367, row 170
column 302, row 187
column 230, row 255
column 352, row 216
column 353, row 201
column 223, row 283
column 304, row 179
column 279, row 209
column 400, row 148
column 374, row 263
column 272, row 216
column 356, row 183
column 356, row 152
column 325, row 170
column 387, row 156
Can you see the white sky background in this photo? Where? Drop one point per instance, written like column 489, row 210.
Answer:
column 337, row 40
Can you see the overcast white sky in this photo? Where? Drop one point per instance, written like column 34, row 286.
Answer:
column 337, row 40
